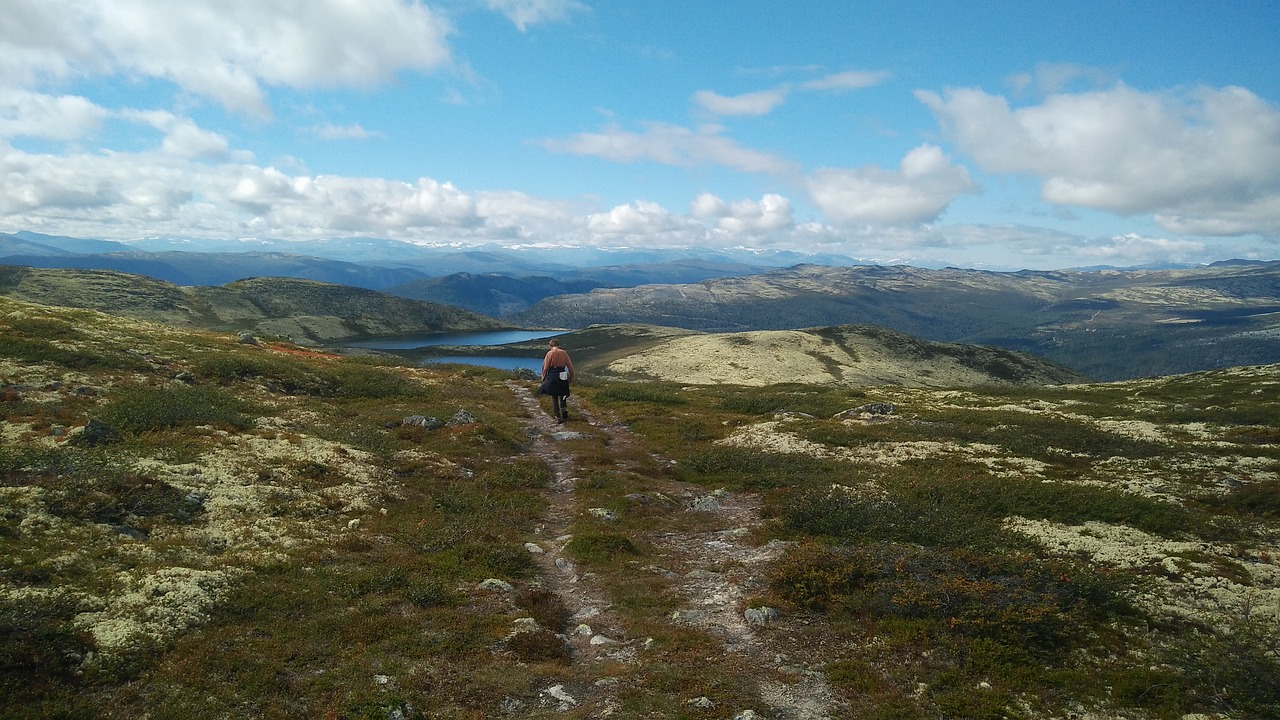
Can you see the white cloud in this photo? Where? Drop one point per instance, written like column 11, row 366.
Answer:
column 135, row 194
column 508, row 214
column 1132, row 248
column 185, row 139
column 222, row 50
column 770, row 213
column 1051, row 78
column 182, row 137
column 763, row 102
column 640, row 218
column 707, row 205
column 671, row 145
column 130, row 195
column 108, row 189
column 353, row 205
column 524, row 13
column 756, row 103
column 1204, row 161
column 919, row 191
column 49, row 117
column 343, row 132
column 848, row 80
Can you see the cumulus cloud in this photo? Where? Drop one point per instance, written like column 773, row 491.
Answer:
column 639, row 218
column 1133, row 248
column 182, row 137
column 524, row 13
column 756, row 103
column 224, row 51
column 919, row 191
column 1204, row 161
column 49, row 117
column 130, row 194
column 671, row 145
column 770, row 213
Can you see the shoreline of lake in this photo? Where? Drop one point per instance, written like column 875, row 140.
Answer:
column 488, row 338
column 487, row 349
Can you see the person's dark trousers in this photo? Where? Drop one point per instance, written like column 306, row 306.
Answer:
column 560, row 407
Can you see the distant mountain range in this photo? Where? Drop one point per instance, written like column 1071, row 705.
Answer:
column 1106, row 323
column 378, row 264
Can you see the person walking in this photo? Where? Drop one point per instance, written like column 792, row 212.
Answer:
column 557, row 373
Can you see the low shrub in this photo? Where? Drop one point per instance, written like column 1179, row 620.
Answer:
column 39, row 648
column 353, row 381
column 139, row 409
column 536, row 645
column 45, row 328
column 934, row 504
column 1232, row 671
column 754, row 469
column 639, row 393
column 40, row 350
column 1013, row 599
column 519, row 475
column 430, row 593
column 801, row 399
column 600, row 546
column 544, row 606
column 1260, row 498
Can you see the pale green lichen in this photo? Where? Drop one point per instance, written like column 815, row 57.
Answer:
column 156, row 606
column 1185, row 577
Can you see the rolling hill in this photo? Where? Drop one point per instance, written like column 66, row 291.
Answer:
column 303, row 311
column 1107, row 324
column 847, row 355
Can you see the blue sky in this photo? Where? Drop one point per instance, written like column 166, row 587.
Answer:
column 1008, row 135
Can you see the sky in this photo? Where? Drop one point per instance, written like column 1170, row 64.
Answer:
column 999, row 135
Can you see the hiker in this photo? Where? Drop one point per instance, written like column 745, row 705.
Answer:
column 557, row 373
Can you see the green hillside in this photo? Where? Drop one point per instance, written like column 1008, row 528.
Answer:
column 1106, row 324
column 303, row 311
column 195, row 527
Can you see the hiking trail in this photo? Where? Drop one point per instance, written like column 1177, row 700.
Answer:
column 702, row 545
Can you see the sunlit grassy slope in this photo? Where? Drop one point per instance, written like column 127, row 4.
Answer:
column 195, row 527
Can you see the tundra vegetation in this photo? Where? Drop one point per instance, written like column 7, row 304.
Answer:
column 192, row 526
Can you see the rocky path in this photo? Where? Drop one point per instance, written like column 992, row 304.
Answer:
column 701, row 546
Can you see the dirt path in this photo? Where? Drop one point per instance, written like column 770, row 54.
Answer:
column 703, row 547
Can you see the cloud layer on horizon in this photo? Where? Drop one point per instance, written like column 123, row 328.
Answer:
column 1200, row 161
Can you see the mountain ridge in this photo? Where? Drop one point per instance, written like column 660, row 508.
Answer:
column 304, row 311
column 1167, row 321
